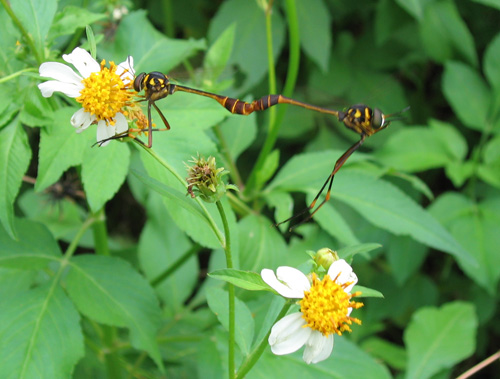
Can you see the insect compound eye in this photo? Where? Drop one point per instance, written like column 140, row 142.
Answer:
column 378, row 118
column 138, row 82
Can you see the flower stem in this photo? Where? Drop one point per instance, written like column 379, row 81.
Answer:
column 160, row 160
column 173, row 267
column 229, row 263
column 29, row 39
column 254, row 356
column 100, row 233
column 293, row 69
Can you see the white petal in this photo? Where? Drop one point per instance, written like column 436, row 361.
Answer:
column 121, row 125
column 81, row 120
column 295, row 282
column 104, row 131
column 82, row 61
column 61, row 72
column 126, row 70
column 318, row 347
column 288, row 334
column 51, row 86
column 344, row 272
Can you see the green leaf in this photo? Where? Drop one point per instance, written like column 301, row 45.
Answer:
column 13, row 281
column 36, row 17
column 60, row 148
column 333, row 223
column 63, row 217
column 32, row 324
column 250, row 52
column 445, row 35
column 423, row 148
column 378, row 201
column 473, row 225
column 467, row 93
column 70, row 19
column 340, row 364
column 151, row 50
column 438, row 338
column 261, row 245
column 404, row 265
column 315, row 33
column 388, row 352
column 415, row 8
column 490, row 3
column 492, row 61
column 489, row 170
column 159, row 248
column 269, row 167
column 104, row 170
column 219, row 52
column 15, row 156
column 349, row 252
column 35, row 247
column 367, row 292
column 238, row 133
column 283, row 203
column 110, row 291
column 244, row 331
column 247, row 280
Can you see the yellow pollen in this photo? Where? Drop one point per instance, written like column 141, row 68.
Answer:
column 105, row 94
column 325, row 306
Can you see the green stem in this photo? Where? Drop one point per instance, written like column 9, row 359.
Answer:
column 209, row 217
column 23, row 31
column 16, row 74
column 100, row 233
column 254, row 356
column 168, row 17
column 229, row 263
column 293, row 69
column 179, row 262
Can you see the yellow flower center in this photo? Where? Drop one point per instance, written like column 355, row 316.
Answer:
column 105, row 94
column 325, row 306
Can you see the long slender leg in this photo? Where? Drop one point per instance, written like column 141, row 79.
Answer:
column 241, row 107
column 340, row 162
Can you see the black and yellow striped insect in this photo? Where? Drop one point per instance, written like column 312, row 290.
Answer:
column 363, row 120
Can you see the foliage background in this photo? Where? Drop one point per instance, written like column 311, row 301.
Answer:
column 417, row 206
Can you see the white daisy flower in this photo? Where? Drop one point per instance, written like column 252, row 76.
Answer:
column 102, row 91
column 325, row 309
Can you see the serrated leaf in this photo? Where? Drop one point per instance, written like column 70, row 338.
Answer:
column 110, row 291
column 32, row 323
column 467, row 93
column 438, row 338
column 380, row 202
column 315, row 33
column 422, row 148
column 248, row 280
column 60, row 148
column 35, row 247
column 473, row 225
column 104, row 170
column 15, row 156
column 244, row 329
column 36, row 17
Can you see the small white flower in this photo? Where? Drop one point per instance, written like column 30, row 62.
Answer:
column 103, row 92
column 325, row 310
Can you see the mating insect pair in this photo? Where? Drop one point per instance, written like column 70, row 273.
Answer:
column 360, row 118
